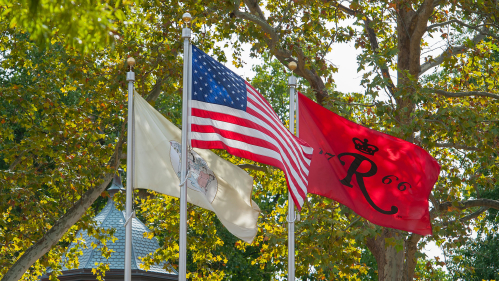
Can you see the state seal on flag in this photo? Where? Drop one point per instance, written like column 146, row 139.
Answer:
column 201, row 178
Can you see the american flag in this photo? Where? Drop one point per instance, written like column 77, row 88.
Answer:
column 228, row 113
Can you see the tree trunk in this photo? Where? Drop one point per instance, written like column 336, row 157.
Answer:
column 411, row 247
column 396, row 265
column 390, row 261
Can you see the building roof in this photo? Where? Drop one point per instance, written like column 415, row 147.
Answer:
column 110, row 217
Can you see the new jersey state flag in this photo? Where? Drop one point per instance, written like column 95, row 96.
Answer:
column 213, row 183
column 380, row 177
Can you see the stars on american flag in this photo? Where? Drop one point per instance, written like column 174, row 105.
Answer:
column 220, row 86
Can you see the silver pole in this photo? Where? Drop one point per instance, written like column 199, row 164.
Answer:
column 291, row 205
column 130, row 77
column 297, row 118
column 186, row 35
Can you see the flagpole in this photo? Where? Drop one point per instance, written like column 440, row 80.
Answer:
column 291, row 205
column 130, row 77
column 186, row 35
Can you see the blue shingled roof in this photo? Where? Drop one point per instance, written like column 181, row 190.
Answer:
column 110, row 217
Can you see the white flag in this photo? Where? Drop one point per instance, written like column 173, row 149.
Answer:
column 213, row 183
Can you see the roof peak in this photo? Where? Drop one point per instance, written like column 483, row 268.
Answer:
column 116, row 184
column 110, row 217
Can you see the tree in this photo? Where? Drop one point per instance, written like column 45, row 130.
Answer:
column 452, row 117
column 62, row 121
column 452, row 112
column 60, row 148
column 85, row 25
column 477, row 259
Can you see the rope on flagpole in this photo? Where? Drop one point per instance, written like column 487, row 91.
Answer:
column 130, row 77
column 186, row 178
column 132, row 215
column 297, row 218
column 186, row 35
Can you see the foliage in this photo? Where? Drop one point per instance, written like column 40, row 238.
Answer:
column 85, row 25
column 57, row 126
column 477, row 258
column 431, row 270
column 62, row 110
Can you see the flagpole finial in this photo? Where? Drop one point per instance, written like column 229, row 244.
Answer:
column 131, row 62
column 186, row 17
column 186, row 31
column 292, row 79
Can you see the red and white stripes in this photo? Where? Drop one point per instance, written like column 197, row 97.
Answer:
column 256, row 134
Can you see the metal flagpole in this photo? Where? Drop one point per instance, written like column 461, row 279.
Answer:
column 186, row 35
column 291, row 205
column 130, row 77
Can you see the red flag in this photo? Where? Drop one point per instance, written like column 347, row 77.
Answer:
column 382, row 178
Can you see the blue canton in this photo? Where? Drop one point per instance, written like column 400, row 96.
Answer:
column 214, row 83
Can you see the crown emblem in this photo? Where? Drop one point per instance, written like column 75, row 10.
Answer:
column 363, row 147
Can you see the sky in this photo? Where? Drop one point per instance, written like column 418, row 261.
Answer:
column 344, row 56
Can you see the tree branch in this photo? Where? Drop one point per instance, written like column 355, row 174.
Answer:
column 347, row 10
column 434, row 200
column 252, row 167
column 352, row 223
column 474, row 27
column 288, row 7
column 451, row 51
column 462, row 94
column 254, row 7
column 371, row 34
column 351, row 103
column 457, row 146
column 474, row 215
column 423, row 13
column 462, row 205
column 439, row 121
column 284, row 56
column 156, row 90
column 260, row 21
column 17, row 161
column 373, row 40
column 144, row 193
column 437, row 3
column 439, row 24
column 471, row 216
